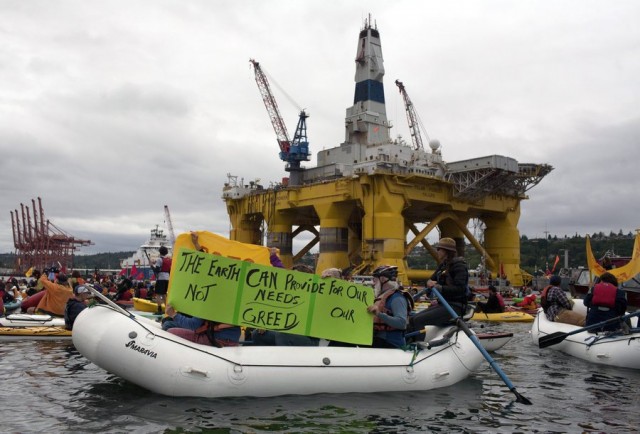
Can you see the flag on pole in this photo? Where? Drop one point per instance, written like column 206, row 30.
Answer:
column 555, row 263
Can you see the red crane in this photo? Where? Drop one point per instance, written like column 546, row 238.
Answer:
column 38, row 242
column 292, row 152
column 272, row 108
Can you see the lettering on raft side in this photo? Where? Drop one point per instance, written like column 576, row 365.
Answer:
column 132, row 345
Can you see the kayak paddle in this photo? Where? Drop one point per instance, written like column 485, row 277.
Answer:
column 557, row 337
column 460, row 323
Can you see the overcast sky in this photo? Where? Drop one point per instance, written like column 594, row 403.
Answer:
column 109, row 110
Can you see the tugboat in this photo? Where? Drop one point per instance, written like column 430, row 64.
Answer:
column 146, row 252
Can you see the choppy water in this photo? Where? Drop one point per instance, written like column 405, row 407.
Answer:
column 50, row 387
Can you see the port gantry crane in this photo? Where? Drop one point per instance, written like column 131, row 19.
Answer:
column 412, row 117
column 291, row 152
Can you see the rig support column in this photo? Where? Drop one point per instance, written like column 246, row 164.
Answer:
column 334, row 235
column 245, row 227
column 383, row 228
column 449, row 228
column 502, row 241
column 279, row 236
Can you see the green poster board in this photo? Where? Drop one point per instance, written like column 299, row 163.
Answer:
column 252, row 295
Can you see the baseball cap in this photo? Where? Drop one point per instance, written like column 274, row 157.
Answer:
column 81, row 289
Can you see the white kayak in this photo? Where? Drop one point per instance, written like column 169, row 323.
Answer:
column 494, row 341
column 23, row 326
column 137, row 350
column 31, row 320
column 614, row 349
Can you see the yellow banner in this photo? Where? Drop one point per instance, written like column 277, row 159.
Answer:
column 221, row 246
column 624, row 273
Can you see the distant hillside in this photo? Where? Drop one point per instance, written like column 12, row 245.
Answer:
column 535, row 253
column 100, row 260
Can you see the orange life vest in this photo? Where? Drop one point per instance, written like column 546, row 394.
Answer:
column 543, row 298
column 381, row 303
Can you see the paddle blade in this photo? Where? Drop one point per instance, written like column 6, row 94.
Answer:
column 552, row 339
column 521, row 399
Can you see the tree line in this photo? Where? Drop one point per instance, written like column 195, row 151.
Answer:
column 535, row 253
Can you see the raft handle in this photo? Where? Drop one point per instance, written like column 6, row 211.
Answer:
column 191, row 370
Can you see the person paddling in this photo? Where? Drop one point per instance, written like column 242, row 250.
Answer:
column 605, row 301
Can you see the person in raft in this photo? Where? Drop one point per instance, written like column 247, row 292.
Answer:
column 605, row 301
column 528, row 302
column 272, row 337
column 53, row 299
column 391, row 308
column 451, row 279
column 199, row 330
column 162, row 267
column 557, row 306
column 75, row 305
column 495, row 303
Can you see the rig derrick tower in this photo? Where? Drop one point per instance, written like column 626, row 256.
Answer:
column 374, row 199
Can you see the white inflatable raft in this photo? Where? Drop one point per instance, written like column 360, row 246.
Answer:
column 607, row 349
column 135, row 349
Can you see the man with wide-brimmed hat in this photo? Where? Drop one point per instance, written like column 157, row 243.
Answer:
column 451, row 279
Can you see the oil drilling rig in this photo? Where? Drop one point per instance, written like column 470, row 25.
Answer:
column 375, row 199
column 38, row 242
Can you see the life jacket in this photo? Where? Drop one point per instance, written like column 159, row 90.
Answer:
column 604, row 294
column 443, row 274
column 209, row 328
column 500, row 299
column 166, row 265
column 529, row 302
column 381, row 303
column 67, row 319
column 543, row 298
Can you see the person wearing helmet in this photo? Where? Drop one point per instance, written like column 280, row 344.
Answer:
column 391, row 309
column 451, row 279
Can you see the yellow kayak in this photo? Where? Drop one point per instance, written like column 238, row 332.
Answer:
column 503, row 317
column 145, row 305
column 35, row 332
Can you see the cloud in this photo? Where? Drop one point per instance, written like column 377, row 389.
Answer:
column 112, row 110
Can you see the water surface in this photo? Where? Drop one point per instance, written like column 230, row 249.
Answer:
column 49, row 387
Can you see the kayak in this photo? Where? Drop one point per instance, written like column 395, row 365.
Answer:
column 31, row 320
column 35, row 332
column 138, row 351
column 494, row 341
column 11, row 306
column 502, row 317
column 32, row 326
column 144, row 305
